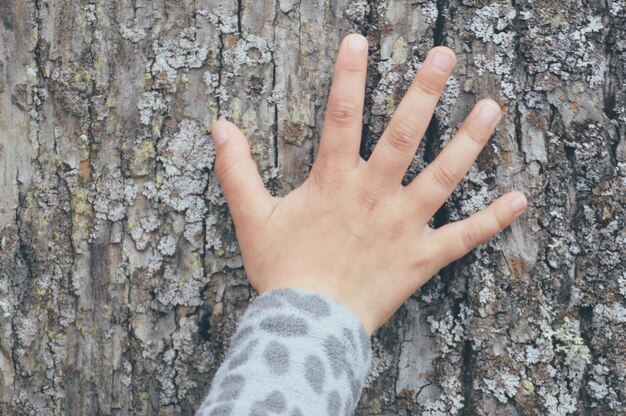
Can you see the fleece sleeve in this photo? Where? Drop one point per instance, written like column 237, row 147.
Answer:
column 295, row 353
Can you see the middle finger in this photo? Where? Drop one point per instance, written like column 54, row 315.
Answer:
column 396, row 148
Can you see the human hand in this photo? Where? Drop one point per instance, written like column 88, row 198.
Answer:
column 352, row 231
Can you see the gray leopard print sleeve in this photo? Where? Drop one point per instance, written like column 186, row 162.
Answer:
column 294, row 353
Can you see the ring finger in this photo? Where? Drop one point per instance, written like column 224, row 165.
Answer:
column 433, row 186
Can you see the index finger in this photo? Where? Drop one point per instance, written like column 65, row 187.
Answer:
column 341, row 135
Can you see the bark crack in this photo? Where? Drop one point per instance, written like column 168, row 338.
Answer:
column 239, row 14
column 468, row 365
column 585, row 316
column 439, row 29
column 371, row 31
column 220, row 65
column 273, row 60
column 520, row 64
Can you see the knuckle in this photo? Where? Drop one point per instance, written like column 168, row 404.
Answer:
column 225, row 166
column 421, row 262
column 498, row 221
column 476, row 136
column 368, row 201
column 343, row 112
column 399, row 230
column 352, row 68
column 427, row 87
column 445, row 176
column 402, row 135
column 322, row 176
column 356, row 229
column 471, row 236
column 426, row 263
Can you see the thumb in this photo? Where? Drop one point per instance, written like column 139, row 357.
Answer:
column 247, row 198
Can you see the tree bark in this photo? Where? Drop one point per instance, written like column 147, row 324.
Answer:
column 120, row 277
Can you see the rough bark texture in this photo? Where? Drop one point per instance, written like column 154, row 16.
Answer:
column 120, row 278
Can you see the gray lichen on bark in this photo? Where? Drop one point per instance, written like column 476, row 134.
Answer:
column 120, row 277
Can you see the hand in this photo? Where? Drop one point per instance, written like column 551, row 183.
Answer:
column 351, row 231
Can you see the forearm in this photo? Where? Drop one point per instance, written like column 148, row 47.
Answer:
column 294, row 352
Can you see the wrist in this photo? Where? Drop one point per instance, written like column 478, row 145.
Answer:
column 326, row 310
column 313, row 286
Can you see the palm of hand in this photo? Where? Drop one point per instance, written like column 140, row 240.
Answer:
column 351, row 231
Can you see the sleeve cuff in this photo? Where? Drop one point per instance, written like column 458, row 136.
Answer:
column 300, row 346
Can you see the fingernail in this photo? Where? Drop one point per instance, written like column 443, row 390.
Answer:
column 220, row 133
column 442, row 61
column 518, row 204
column 489, row 112
column 356, row 43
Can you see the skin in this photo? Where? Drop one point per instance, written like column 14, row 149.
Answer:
column 352, row 231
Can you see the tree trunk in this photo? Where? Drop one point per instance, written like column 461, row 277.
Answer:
column 120, row 276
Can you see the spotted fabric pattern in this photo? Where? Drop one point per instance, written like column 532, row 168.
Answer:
column 295, row 353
